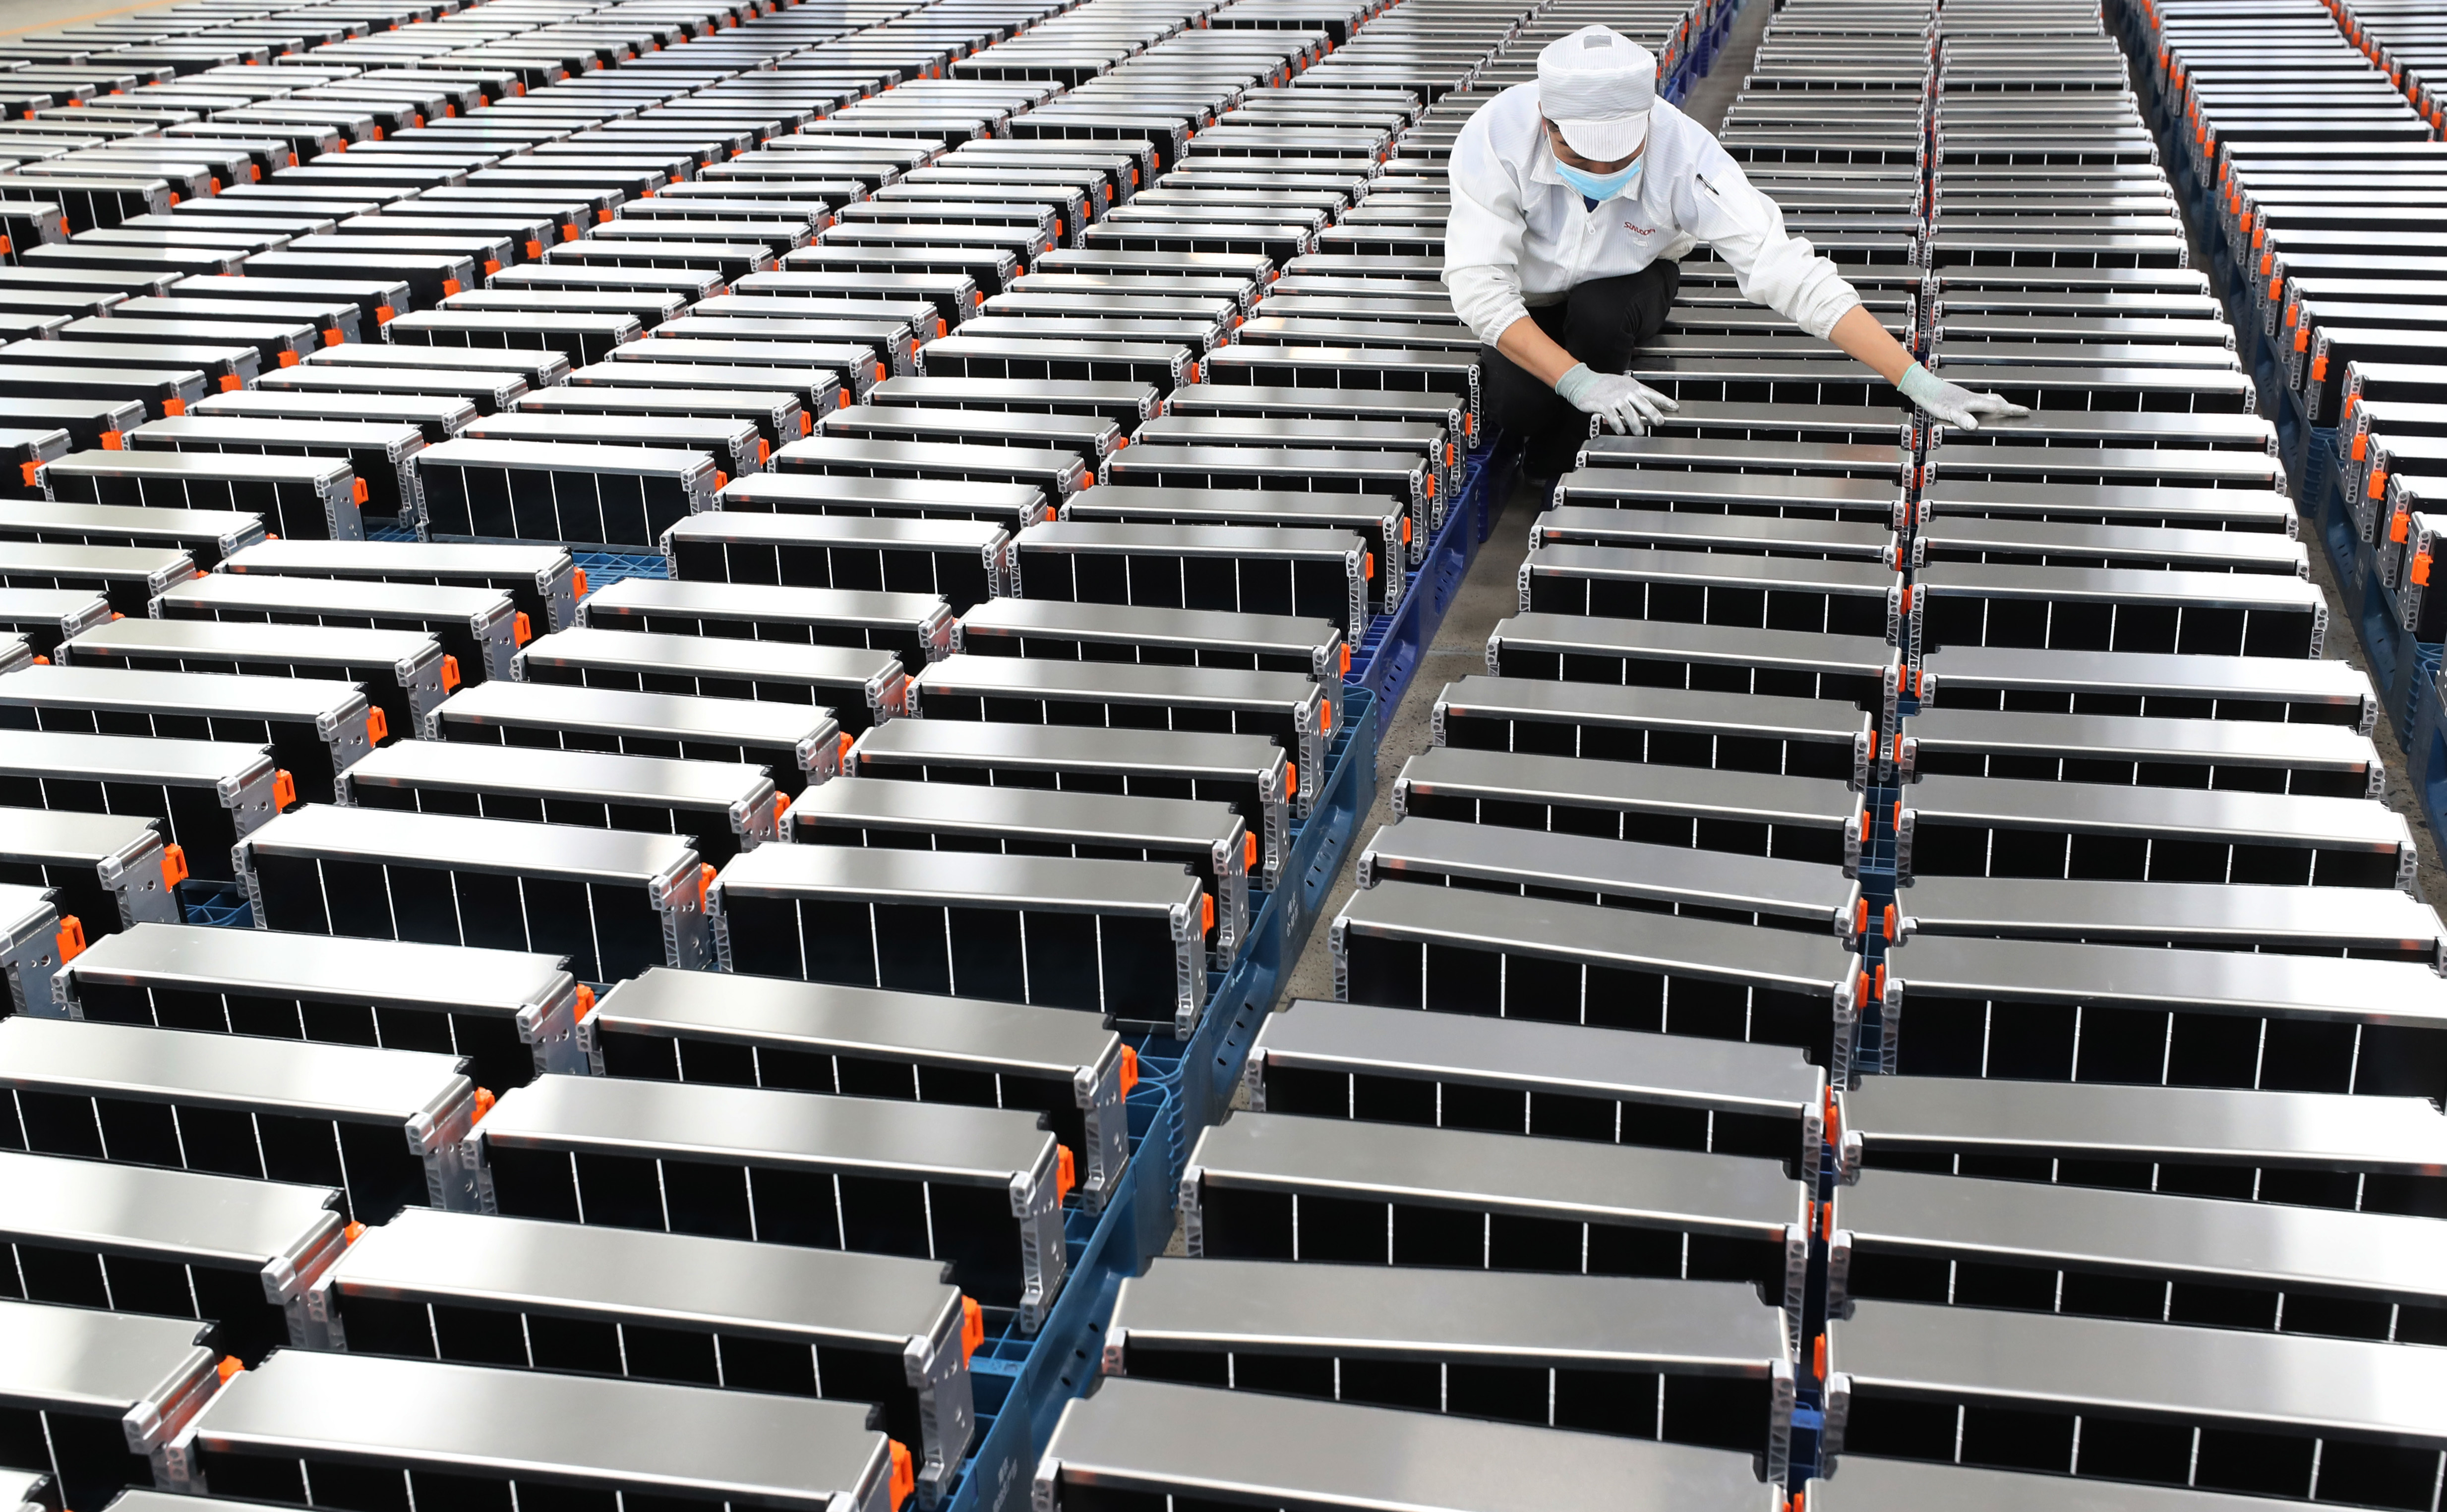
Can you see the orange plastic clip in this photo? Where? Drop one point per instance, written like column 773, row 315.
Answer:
column 385, row 315
column 1890, row 922
column 535, row 249
column 578, row 582
column 846, row 742
column 359, row 493
column 1325, row 718
column 70, row 937
column 174, row 407
column 905, row 1474
column 449, row 675
column 377, row 727
column 704, row 879
column 2378, row 485
column 520, row 630
column 2420, row 569
column 351, row 1233
column 1346, row 658
column 973, row 1327
column 174, row 866
column 585, row 1004
column 284, row 791
column 1291, row 779
column 1205, row 912
column 1130, row 1077
column 1249, row 850
column 1861, row 917
column 113, row 439
column 1368, row 566
column 1818, row 1358
column 2362, row 447
column 484, row 1101
column 1066, row 1172
column 230, row 1365
column 451, row 286
column 32, row 472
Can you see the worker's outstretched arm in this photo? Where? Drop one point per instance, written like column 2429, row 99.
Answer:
column 1866, row 342
column 1862, row 338
column 1746, row 230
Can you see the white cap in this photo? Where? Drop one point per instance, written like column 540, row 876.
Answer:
column 1596, row 85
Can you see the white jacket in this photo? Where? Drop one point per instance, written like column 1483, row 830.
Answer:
column 1519, row 235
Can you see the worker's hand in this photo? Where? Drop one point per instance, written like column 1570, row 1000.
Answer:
column 1628, row 405
column 1952, row 402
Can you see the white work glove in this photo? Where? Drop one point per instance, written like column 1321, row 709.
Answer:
column 1952, row 402
column 1628, row 405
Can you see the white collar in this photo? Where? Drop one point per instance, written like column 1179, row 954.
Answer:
column 1542, row 161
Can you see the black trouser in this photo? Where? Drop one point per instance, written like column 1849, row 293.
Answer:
column 1602, row 322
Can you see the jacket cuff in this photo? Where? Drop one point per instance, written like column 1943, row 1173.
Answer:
column 1823, row 318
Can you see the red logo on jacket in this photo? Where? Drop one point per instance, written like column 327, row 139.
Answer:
column 1646, row 231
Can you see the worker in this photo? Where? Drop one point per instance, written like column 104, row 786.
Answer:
column 1572, row 198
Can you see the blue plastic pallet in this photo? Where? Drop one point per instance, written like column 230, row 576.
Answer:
column 1023, row 1381
column 1389, row 653
column 222, row 905
column 1204, row 1070
column 2403, row 670
column 601, row 568
column 604, row 568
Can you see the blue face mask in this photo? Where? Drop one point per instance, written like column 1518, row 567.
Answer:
column 1599, row 186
